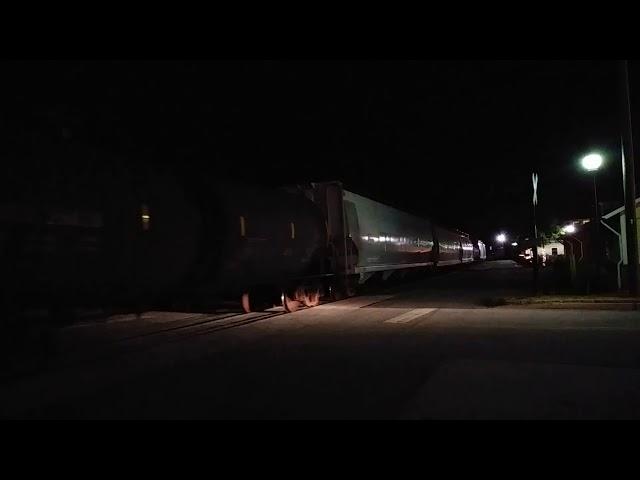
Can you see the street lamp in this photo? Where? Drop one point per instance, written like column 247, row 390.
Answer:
column 501, row 238
column 591, row 163
column 569, row 229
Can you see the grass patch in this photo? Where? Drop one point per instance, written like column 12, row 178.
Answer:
column 493, row 301
column 542, row 299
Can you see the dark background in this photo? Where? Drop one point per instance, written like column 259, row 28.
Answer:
column 453, row 141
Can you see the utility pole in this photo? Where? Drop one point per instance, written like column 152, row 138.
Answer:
column 629, row 179
column 534, row 179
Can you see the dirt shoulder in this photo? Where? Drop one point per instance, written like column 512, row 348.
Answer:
column 587, row 302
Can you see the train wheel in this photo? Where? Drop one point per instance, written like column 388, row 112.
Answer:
column 335, row 293
column 350, row 288
column 342, row 291
column 246, row 304
column 311, row 298
column 289, row 303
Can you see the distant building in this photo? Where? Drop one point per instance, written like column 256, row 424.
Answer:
column 553, row 249
column 547, row 253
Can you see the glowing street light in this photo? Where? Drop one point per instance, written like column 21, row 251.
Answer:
column 569, row 229
column 592, row 162
column 501, row 238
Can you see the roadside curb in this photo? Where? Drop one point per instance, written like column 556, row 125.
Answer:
column 620, row 306
column 568, row 303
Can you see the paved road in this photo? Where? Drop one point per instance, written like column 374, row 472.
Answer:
column 426, row 350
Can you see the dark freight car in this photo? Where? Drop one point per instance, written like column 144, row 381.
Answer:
column 260, row 243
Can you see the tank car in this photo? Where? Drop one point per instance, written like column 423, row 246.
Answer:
column 259, row 243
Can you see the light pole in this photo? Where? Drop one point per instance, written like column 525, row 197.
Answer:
column 566, row 230
column 591, row 163
column 534, row 180
column 628, row 178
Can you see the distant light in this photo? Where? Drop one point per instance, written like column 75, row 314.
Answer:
column 514, row 244
column 146, row 218
column 569, row 229
column 592, row 162
column 501, row 238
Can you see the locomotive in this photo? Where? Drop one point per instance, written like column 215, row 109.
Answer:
column 150, row 239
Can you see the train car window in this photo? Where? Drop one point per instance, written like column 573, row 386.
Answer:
column 145, row 218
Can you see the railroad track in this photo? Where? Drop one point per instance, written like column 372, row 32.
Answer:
column 81, row 353
column 84, row 351
column 92, row 356
column 171, row 334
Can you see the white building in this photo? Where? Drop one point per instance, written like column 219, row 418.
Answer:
column 553, row 249
column 548, row 252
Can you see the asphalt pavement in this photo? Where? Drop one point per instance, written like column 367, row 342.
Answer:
column 427, row 349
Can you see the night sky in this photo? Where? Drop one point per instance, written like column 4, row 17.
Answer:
column 453, row 141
